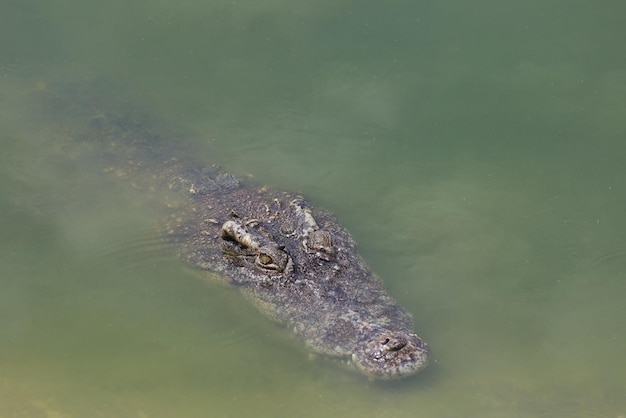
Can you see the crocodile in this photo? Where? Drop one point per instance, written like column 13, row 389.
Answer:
column 294, row 261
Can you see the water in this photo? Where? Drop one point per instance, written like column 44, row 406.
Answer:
column 474, row 150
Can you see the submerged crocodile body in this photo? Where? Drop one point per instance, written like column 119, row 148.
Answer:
column 295, row 262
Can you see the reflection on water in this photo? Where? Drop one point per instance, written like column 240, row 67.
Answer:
column 475, row 153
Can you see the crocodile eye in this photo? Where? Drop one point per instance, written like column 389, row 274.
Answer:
column 321, row 242
column 271, row 258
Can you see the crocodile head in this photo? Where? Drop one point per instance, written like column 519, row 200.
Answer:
column 301, row 268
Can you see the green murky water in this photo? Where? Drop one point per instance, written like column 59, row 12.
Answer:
column 476, row 151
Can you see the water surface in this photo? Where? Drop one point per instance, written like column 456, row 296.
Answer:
column 475, row 151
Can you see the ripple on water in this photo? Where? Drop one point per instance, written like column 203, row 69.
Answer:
column 532, row 399
column 597, row 405
column 142, row 249
column 599, row 254
column 150, row 262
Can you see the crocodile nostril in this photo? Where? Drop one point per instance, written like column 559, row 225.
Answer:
column 394, row 343
column 400, row 345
